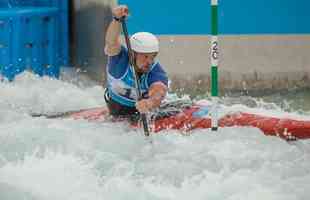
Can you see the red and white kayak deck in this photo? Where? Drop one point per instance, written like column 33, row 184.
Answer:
column 197, row 117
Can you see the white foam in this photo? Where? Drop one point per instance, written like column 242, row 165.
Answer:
column 47, row 159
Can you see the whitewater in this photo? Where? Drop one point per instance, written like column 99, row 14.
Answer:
column 66, row 159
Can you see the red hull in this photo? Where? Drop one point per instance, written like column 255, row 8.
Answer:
column 285, row 128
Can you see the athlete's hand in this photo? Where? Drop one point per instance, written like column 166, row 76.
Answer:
column 144, row 105
column 120, row 11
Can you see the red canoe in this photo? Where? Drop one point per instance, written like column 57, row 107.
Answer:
column 190, row 118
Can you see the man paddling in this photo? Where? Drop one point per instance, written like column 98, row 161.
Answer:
column 121, row 94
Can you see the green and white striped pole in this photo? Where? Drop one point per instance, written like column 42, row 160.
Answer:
column 214, row 64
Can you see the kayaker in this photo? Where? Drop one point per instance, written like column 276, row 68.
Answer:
column 120, row 94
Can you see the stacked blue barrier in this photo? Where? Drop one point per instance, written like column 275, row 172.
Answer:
column 63, row 29
column 33, row 36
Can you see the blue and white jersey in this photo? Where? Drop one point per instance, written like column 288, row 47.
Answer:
column 120, row 79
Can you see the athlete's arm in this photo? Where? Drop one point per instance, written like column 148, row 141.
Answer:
column 157, row 93
column 112, row 37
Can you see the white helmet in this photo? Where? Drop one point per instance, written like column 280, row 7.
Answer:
column 144, row 42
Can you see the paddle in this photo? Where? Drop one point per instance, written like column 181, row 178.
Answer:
column 61, row 114
column 135, row 75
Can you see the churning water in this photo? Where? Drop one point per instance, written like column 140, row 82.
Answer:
column 65, row 159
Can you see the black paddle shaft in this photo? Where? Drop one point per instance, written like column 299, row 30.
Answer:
column 137, row 83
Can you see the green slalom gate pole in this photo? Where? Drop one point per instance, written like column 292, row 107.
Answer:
column 214, row 64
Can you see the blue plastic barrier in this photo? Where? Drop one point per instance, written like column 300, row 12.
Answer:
column 61, row 4
column 62, row 28
column 28, row 40
column 33, row 36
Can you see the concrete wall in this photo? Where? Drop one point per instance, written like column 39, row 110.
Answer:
column 251, row 64
column 89, row 20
